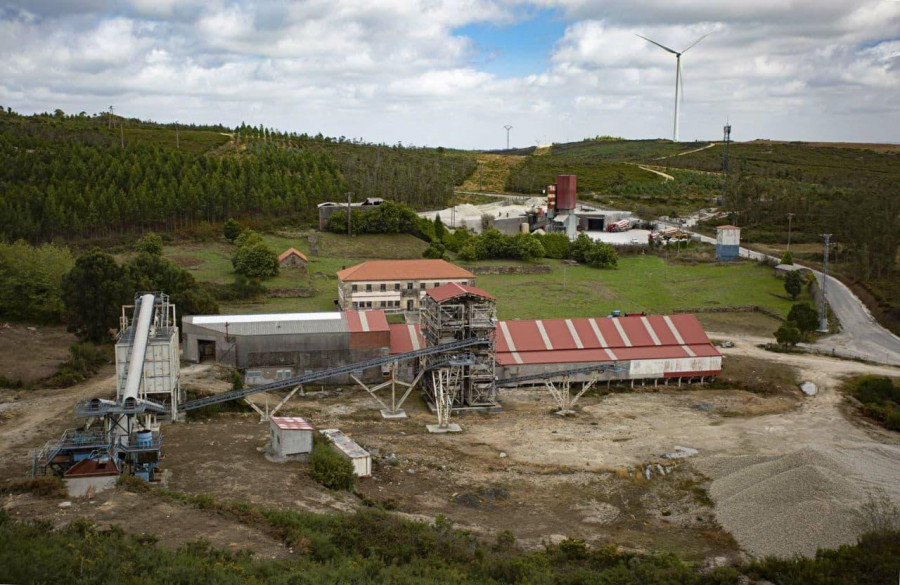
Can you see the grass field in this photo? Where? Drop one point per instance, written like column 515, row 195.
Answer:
column 641, row 283
column 211, row 262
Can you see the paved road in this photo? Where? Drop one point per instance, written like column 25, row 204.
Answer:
column 860, row 337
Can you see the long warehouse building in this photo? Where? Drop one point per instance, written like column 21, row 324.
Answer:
column 657, row 348
column 648, row 347
column 283, row 345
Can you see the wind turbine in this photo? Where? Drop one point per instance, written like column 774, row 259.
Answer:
column 678, row 82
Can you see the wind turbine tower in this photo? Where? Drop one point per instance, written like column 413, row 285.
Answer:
column 678, row 82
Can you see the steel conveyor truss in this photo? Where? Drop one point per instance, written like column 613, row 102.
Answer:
column 322, row 374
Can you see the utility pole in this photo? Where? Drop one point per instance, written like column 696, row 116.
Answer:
column 177, row 143
column 349, row 215
column 508, row 128
column 823, row 316
column 109, row 125
column 726, row 140
column 790, row 216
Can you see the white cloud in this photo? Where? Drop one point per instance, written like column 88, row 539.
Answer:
column 396, row 70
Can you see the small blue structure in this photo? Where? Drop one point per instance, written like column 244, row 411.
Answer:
column 728, row 242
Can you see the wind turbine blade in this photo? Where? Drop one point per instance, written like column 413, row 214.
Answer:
column 673, row 51
column 697, row 41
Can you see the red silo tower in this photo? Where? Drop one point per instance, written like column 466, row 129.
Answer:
column 565, row 192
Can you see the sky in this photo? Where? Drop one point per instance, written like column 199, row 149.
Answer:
column 453, row 73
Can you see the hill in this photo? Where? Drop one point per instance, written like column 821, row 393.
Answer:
column 103, row 176
column 849, row 190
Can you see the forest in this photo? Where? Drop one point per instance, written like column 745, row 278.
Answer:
column 78, row 177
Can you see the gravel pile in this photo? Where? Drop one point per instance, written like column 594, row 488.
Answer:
column 787, row 505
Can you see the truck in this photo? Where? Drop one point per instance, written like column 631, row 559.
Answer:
column 619, row 226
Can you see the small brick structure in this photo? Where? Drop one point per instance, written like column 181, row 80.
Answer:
column 293, row 258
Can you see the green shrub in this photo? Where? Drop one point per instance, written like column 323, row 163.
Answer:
column 255, row 259
column 880, row 398
column 151, row 244
column 436, row 250
column 331, row 469
column 85, row 359
column 50, row 486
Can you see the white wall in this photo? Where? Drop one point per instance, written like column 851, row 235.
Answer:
column 659, row 368
column 290, row 442
column 78, row 486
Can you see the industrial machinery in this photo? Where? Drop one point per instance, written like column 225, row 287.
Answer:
column 126, row 430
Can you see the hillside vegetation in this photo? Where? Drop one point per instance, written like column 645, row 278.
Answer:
column 96, row 177
column 852, row 193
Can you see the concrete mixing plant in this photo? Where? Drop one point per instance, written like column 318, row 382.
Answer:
column 123, row 435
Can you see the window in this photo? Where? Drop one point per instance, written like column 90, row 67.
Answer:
column 437, row 284
column 355, row 305
column 383, row 287
column 368, row 288
column 354, row 288
column 409, row 286
column 396, row 286
column 422, row 285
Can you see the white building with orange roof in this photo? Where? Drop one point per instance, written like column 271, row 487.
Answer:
column 395, row 285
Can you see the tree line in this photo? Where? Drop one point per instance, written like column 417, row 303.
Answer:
column 70, row 176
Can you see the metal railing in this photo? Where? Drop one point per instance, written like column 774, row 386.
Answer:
column 321, row 374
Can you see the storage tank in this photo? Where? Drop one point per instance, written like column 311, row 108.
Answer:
column 565, row 191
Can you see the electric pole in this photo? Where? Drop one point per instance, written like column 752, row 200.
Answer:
column 109, row 126
column 508, row 128
column 349, row 215
column 823, row 316
column 790, row 216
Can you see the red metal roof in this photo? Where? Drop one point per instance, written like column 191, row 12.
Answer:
column 406, row 338
column 603, row 339
column 291, row 423
column 291, row 251
column 403, row 270
column 600, row 355
column 364, row 321
column 92, row 468
column 452, row 290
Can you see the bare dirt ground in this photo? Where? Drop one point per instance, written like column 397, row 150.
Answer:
column 29, row 353
column 601, row 475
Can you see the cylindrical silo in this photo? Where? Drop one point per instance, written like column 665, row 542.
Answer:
column 565, row 192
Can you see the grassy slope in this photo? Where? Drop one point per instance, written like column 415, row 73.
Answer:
column 211, row 262
column 641, row 283
column 495, row 171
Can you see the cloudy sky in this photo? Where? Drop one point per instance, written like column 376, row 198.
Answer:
column 454, row 72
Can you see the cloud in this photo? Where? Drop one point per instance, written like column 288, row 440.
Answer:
column 398, row 70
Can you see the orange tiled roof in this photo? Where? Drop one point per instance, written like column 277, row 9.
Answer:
column 403, row 270
column 290, row 251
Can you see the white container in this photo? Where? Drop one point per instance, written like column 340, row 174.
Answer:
column 359, row 457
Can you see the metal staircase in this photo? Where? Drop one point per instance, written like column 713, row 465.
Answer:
column 56, row 454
